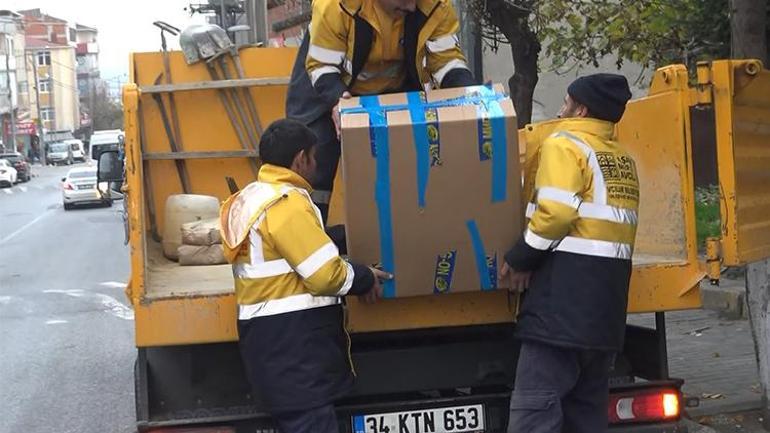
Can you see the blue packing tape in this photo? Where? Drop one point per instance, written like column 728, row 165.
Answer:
column 480, row 255
column 499, row 144
column 379, row 124
column 421, row 144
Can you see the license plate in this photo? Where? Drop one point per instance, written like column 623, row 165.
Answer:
column 85, row 187
column 458, row 419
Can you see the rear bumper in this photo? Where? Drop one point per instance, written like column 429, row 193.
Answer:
column 495, row 408
column 83, row 197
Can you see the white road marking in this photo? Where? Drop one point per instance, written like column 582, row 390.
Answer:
column 5, row 300
column 111, row 305
column 23, row 188
column 8, row 190
column 74, row 292
column 39, row 186
column 26, row 226
column 113, row 284
column 55, row 322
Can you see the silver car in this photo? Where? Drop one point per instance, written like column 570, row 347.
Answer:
column 79, row 187
column 59, row 154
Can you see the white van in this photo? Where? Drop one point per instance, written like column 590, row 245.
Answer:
column 105, row 140
column 78, row 150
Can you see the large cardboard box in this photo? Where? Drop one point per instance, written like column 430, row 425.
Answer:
column 432, row 187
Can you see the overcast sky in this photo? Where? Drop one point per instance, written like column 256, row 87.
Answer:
column 124, row 26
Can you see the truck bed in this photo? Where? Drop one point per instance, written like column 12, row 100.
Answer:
column 167, row 279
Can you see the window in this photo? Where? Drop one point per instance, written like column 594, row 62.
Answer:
column 44, row 58
column 22, row 87
column 45, row 86
column 47, row 114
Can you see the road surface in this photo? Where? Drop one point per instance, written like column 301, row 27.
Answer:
column 66, row 334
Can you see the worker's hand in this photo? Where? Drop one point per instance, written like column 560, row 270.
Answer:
column 336, row 114
column 517, row 281
column 375, row 292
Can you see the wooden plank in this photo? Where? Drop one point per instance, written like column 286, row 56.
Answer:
column 219, row 84
column 201, row 155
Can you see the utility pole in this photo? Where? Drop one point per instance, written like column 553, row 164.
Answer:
column 758, row 303
column 12, row 114
column 223, row 14
column 256, row 18
column 40, row 144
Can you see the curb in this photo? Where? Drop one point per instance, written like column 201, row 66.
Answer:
column 721, row 407
column 728, row 301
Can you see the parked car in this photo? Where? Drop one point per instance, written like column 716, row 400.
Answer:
column 59, row 153
column 20, row 163
column 79, row 187
column 8, row 174
column 78, row 150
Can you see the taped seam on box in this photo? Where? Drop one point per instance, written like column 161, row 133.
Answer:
column 482, row 97
column 485, row 98
column 379, row 124
column 499, row 146
column 480, row 255
column 421, row 144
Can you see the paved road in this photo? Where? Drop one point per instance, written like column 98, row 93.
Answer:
column 66, row 335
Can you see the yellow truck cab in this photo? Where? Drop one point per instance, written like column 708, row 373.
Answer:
column 439, row 363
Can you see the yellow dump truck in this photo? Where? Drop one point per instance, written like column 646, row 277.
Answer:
column 446, row 361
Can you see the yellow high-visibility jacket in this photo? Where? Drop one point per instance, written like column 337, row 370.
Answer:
column 282, row 259
column 332, row 42
column 289, row 279
column 579, row 239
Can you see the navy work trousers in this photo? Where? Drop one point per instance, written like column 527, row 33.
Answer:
column 560, row 390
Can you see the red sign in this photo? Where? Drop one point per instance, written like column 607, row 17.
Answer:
column 22, row 128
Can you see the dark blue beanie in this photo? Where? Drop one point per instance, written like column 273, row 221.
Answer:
column 605, row 95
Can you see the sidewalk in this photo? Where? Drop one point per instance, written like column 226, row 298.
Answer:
column 714, row 356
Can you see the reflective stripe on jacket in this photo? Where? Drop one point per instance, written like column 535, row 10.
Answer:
column 282, row 259
column 586, row 193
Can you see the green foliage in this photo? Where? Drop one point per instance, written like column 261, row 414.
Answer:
column 707, row 218
column 652, row 33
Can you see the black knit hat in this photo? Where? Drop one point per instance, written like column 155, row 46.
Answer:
column 605, row 95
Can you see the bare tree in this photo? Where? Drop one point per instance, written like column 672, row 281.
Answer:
column 749, row 29
column 508, row 22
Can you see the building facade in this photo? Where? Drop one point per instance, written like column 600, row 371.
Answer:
column 52, row 71
column 12, row 78
column 90, row 85
column 287, row 21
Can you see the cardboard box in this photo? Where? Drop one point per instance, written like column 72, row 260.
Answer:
column 432, row 187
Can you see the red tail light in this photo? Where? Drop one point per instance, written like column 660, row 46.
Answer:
column 68, row 186
column 644, row 406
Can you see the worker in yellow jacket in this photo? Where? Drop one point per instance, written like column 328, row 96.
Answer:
column 575, row 259
column 289, row 283
column 367, row 47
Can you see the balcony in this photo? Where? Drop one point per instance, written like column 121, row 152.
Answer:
column 87, row 48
